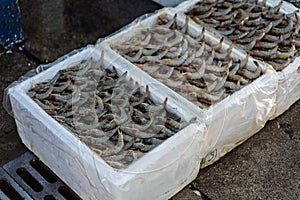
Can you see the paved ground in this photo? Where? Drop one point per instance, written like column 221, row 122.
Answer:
column 267, row 166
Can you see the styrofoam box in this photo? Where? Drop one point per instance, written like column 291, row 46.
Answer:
column 234, row 119
column 289, row 79
column 159, row 174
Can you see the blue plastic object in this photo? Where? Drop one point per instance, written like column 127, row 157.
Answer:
column 10, row 26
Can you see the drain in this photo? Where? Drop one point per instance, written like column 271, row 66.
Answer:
column 37, row 179
column 29, row 179
column 49, row 197
column 9, row 189
column 67, row 193
column 43, row 170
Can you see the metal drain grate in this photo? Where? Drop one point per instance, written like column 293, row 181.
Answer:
column 29, row 173
column 9, row 189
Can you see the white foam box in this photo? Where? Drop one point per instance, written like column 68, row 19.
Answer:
column 234, row 119
column 159, row 174
column 289, row 78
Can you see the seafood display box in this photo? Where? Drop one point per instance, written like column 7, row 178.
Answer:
column 230, row 121
column 170, row 166
column 160, row 173
column 288, row 91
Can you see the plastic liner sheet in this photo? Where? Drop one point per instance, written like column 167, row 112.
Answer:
column 289, row 80
column 230, row 121
column 296, row 3
column 160, row 173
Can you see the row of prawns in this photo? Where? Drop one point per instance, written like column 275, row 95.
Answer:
column 263, row 31
column 110, row 113
column 199, row 68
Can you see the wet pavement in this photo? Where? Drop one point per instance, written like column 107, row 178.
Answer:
column 267, row 166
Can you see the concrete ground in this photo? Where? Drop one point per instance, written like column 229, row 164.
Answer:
column 267, row 166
